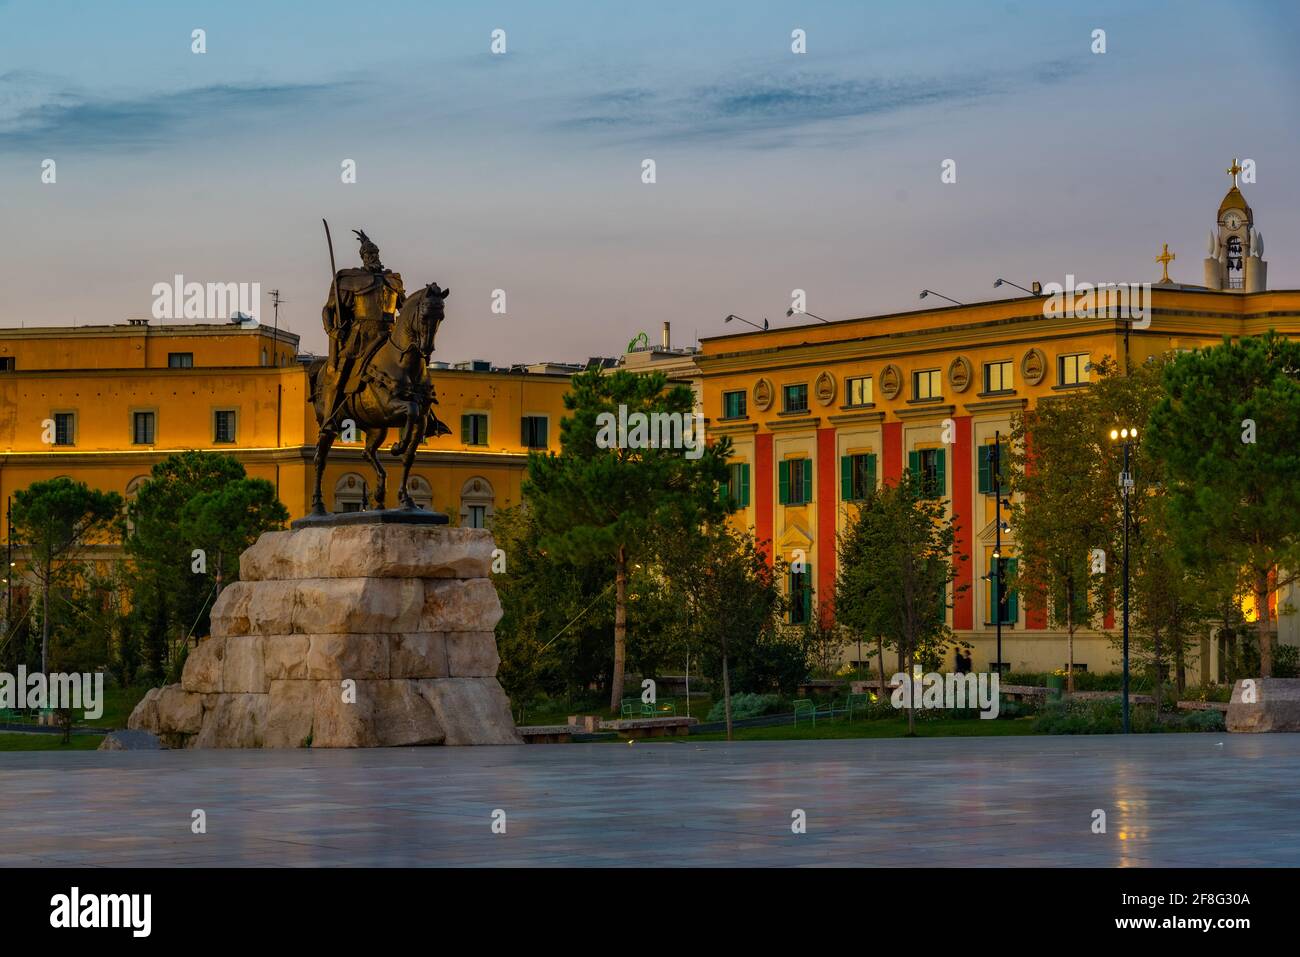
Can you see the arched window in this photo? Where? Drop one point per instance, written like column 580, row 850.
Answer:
column 350, row 493
column 476, row 503
column 420, row 491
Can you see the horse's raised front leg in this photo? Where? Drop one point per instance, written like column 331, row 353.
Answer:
column 374, row 438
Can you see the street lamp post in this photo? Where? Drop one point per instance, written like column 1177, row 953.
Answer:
column 1125, row 486
column 996, row 463
column 804, row 312
column 931, row 292
column 762, row 328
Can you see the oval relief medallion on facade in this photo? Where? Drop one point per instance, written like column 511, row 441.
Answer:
column 891, row 381
column 959, row 374
column 1034, row 366
column 762, row 395
column 825, row 387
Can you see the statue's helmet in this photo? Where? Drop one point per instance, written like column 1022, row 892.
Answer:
column 369, row 251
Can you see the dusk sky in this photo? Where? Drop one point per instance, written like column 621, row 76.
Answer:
column 522, row 171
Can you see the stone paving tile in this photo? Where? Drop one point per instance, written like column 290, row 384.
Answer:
column 1171, row 800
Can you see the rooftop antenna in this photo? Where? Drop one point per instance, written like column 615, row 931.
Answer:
column 275, row 335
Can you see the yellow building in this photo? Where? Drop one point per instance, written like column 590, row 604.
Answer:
column 818, row 413
column 103, row 404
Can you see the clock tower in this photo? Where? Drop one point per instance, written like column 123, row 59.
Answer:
column 1236, row 249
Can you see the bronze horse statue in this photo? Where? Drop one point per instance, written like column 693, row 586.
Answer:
column 396, row 391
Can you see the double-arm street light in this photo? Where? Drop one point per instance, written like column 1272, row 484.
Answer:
column 1037, row 291
column 791, row 312
column 1128, row 437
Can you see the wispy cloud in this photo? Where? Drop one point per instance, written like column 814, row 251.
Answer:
column 34, row 110
column 764, row 103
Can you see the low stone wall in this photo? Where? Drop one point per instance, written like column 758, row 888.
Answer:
column 1265, row 704
column 363, row 635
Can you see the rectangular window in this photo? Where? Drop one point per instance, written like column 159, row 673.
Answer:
column 223, row 426
column 180, row 360
column 988, row 454
column 997, row 376
column 532, row 432
column 1073, row 369
column 1007, row 601
column 857, row 476
column 65, row 428
column 6, row 363
column 477, row 516
column 928, row 467
column 736, row 488
column 801, row 595
column 473, row 429
column 794, row 481
column 859, row 391
column 927, row 384
column 733, row 405
column 142, row 428
column 796, row 398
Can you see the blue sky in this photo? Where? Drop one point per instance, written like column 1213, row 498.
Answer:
column 522, row 172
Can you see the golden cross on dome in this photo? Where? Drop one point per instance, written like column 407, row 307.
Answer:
column 1165, row 258
column 1233, row 170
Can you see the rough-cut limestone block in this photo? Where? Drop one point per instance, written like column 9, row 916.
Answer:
column 285, row 656
column 419, row 655
column 232, row 721
column 179, row 711
column 202, row 671
column 144, row 716
column 243, row 668
column 357, row 606
column 402, row 716
column 471, row 710
column 289, row 710
column 1276, row 706
column 472, row 654
column 338, row 724
column 347, row 656
column 130, row 741
column 369, row 551
column 229, row 615
column 451, row 605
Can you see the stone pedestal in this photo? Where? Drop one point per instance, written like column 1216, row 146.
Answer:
column 1273, row 704
column 343, row 636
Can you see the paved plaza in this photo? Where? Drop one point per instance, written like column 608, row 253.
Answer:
column 1183, row 800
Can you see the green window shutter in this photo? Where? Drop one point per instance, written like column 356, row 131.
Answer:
column 744, row 486
column 985, row 469
column 783, row 482
column 807, row 591
column 846, row 478
column 914, row 463
column 807, row 481
column 1013, row 599
column 524, row 437
column 871, row 474
column 543, row 436
column 940, row 473
column 724, row 488
column 464, row 429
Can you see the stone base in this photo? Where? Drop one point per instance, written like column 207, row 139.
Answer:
column 345, row 635
column 1276, row 705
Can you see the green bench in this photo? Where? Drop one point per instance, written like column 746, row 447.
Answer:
column 807, row 708
column 857, row 702
column 636, row 708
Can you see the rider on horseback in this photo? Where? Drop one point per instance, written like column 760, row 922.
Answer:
column 358, row 323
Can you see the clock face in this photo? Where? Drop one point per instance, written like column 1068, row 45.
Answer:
column 1232, row 219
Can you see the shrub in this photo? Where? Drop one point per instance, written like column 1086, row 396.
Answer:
column 745, row 706
column 1286, row 661
column 1106, row 716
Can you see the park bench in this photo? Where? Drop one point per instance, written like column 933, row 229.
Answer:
column 805, row 707
column 858, row 702
column 636, row 708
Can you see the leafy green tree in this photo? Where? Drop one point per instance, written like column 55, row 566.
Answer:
column 902, row 569
column 228, row 519
column 58, row 520
column 734, row 603
column 598, row 499
column 854, row 580
column 1226, row 431
column 1065, row 510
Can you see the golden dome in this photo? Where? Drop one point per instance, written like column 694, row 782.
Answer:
column 1234, row 200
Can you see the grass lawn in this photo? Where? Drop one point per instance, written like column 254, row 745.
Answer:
column 866, row 728
column 48, row 742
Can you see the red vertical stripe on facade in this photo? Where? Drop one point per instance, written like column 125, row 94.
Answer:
column 828, row 470
column 764, row 510
column 963, row 606
column 893, row 452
